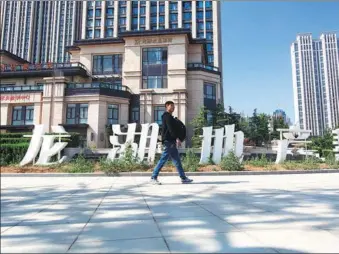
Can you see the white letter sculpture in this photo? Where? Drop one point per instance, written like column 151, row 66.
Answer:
column 45, row 144
column 225, row 140
column 336, row 144
column 140, row 149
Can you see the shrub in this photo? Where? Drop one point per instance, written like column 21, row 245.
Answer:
column 128, row 162
column 190, row 161
column 12, row 153
column 80, row 165
column 231, row 163
column 14, row 135
column 261, row 161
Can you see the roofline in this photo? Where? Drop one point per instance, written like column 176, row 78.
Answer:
column 11, row 55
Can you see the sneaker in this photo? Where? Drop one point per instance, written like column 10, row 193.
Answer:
column 155, row 182
column 186, row 180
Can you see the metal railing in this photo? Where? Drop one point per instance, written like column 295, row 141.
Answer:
column 202, row 66
column 96, row 85
column 39, row 66
column 26, row 88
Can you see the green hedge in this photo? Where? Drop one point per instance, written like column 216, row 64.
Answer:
column 14, row 135
column 14, row 140
column 12, row 153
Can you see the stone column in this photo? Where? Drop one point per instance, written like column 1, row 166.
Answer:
column 53, row 102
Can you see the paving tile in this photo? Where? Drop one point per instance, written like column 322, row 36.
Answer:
column 294, row 240
column 119, row 230
column 104, row 215
column 149, row 245
column 58, row 217
column 266, row 221
column 231, row 242
column 178, row 211
column 65, row 233
column 193, row 226
column 36, row 247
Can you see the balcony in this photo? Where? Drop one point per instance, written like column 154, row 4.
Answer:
column 42, row 70
column 19, row 89
column 202, row 67
column 97, row 88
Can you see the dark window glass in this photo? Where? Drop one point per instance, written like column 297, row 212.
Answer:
column 89, row 34
column 142, row 10
column 158, row 112
column 161, row 19
column 154, row 56
column 200, row 4
column 109, row 22
column 142, row 21
column 77, row 113
column 209, row 91
column 97, row 33
column 173, row 6
column 97, row 22
column 173, row 17
column 89, row 13
column 23, row 115
column 200, row 15
column 113, row 114
column 97, row 13
column 110, row 11
column 187, row 5
column 209, row 25
column 109, row 32
column 135, row 117
column 208, row 14
column 107, row 64
column 208, row 4
column 187, row 16
column 154, row 82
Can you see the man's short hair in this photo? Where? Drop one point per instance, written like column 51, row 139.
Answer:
column 169, row 103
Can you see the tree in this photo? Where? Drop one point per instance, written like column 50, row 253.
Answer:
column 323, row 144
column 258, row 127
column 278, row 123
column 198, row 123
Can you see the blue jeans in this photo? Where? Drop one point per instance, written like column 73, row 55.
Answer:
column 169, row 151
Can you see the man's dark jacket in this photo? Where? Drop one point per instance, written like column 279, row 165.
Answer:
column 169, row 132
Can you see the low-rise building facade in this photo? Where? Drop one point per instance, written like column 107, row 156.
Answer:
column 110, row 81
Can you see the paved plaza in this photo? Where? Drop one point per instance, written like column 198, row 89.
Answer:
column 248, row 214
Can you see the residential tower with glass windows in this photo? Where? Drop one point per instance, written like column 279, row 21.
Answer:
column 39, row 31
column 315, row 69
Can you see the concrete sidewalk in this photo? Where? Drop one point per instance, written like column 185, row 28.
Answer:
column 265, row 214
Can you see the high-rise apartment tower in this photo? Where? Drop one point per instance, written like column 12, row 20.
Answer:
column 315, row 68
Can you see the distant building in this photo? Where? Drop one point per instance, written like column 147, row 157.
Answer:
column 279, row 113
column 315, row 67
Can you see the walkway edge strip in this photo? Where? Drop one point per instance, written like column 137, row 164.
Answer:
column 133, row 174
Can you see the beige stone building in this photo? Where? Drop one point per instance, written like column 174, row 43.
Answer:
column 110, row 81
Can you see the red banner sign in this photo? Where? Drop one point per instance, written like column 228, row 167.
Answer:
column 14, row 97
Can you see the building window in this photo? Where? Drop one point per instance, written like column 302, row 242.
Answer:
column 173, row 6
column 107, row 64
column 110, row 11
column 210, row 59
column 97, row 33
column 113, row 114
column 77, row 113
column 97, row 13
column 97, row 22
column 109, row 32
column 153, row 82
column 135, row 116
column 154, row 56
column 208, row 15
column 158, row 112
column 23, row 115
column 209, row 91
column 154, row 69
column 89, row 34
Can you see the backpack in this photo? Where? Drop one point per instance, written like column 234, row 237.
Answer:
column 180, row 129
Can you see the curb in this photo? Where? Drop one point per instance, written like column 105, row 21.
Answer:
column 135, row 174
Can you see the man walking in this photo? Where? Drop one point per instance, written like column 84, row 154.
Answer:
column 171, row 141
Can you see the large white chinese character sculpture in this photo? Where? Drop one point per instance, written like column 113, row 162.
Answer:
column 148, row 141
column 45, row 145
column 336, row 143
column 225, row 140
column 290, row 136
